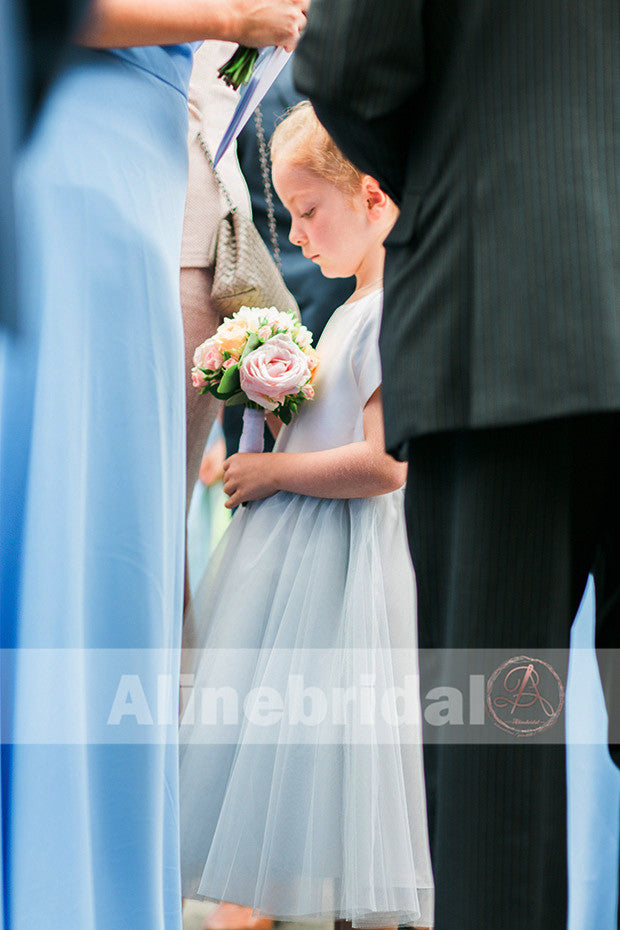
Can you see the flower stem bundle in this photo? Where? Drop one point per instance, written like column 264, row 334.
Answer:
column 239, row 67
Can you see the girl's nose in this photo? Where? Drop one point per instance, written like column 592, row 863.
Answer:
column 296, row 236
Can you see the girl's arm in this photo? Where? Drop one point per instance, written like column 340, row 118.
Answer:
column 360, row 469
column 122, row 23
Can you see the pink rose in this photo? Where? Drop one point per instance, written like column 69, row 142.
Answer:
column 229, row 362
column 198, row 379
column 264, row 332
column 273, row 370
column 208, row 355
column 308, row 391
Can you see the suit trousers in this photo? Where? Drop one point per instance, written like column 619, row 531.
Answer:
column 504, row 526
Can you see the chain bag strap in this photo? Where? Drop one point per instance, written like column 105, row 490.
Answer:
column 267, row 187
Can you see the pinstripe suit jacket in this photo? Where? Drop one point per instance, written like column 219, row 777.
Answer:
column 495, row 124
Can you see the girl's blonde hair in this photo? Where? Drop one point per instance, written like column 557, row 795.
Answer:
column 309, row 144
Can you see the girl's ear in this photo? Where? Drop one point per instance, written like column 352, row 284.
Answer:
column 374, row 198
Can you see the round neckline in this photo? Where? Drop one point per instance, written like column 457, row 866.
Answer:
column 350, row 303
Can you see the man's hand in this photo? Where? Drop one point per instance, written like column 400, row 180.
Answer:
column 249, row 476
column 268, row 22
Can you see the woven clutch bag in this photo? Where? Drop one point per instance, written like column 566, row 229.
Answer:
column 245, row 274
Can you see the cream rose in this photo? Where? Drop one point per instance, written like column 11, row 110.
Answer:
column 250, row 316
column 303, row 337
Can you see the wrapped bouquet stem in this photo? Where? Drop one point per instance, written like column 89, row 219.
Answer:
column 253, row 433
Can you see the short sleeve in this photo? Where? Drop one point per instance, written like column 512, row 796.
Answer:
column 366, row 358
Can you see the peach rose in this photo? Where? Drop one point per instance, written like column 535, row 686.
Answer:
column 231, row 337
column 313, row 362
column 273, row 370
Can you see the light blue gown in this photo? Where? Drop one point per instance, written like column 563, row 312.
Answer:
column 92, row 497
column 593, row 786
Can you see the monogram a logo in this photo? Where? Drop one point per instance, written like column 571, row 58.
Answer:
column 525, row 696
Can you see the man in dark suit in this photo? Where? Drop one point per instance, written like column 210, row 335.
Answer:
column 495, row 128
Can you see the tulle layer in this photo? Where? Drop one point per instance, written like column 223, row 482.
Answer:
column 302, row 789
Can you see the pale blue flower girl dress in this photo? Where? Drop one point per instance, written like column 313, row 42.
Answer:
column 297, row 800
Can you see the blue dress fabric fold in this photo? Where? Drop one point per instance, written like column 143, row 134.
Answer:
column 593, row 785
column 92, row 435
column 11, row 124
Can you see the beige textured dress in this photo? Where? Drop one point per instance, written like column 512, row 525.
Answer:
column 211, row 106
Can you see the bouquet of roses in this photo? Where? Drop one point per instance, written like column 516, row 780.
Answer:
column 262, row 358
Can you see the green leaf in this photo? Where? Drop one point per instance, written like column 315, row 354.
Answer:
column 252, row 343
column 230, row 382
column 238, row 398
column 284, row 414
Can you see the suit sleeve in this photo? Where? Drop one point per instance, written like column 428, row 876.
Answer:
column 362, row 64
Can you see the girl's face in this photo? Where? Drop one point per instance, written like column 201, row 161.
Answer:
column 331, row 227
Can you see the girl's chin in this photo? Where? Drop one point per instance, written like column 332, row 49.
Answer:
column 328, row 272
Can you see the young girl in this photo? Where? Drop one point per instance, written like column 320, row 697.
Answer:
column 302, row 791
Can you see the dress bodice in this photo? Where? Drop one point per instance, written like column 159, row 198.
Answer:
column 171, row 63
column 349, row 373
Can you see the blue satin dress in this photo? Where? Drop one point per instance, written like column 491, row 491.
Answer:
column 92, row 452
column 593, row 786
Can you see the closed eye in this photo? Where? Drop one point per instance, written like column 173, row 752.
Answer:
column 308, row 213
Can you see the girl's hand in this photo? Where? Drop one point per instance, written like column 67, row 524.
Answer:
column 249, row 476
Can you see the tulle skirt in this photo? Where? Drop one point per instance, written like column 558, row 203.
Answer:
column 302, row 786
